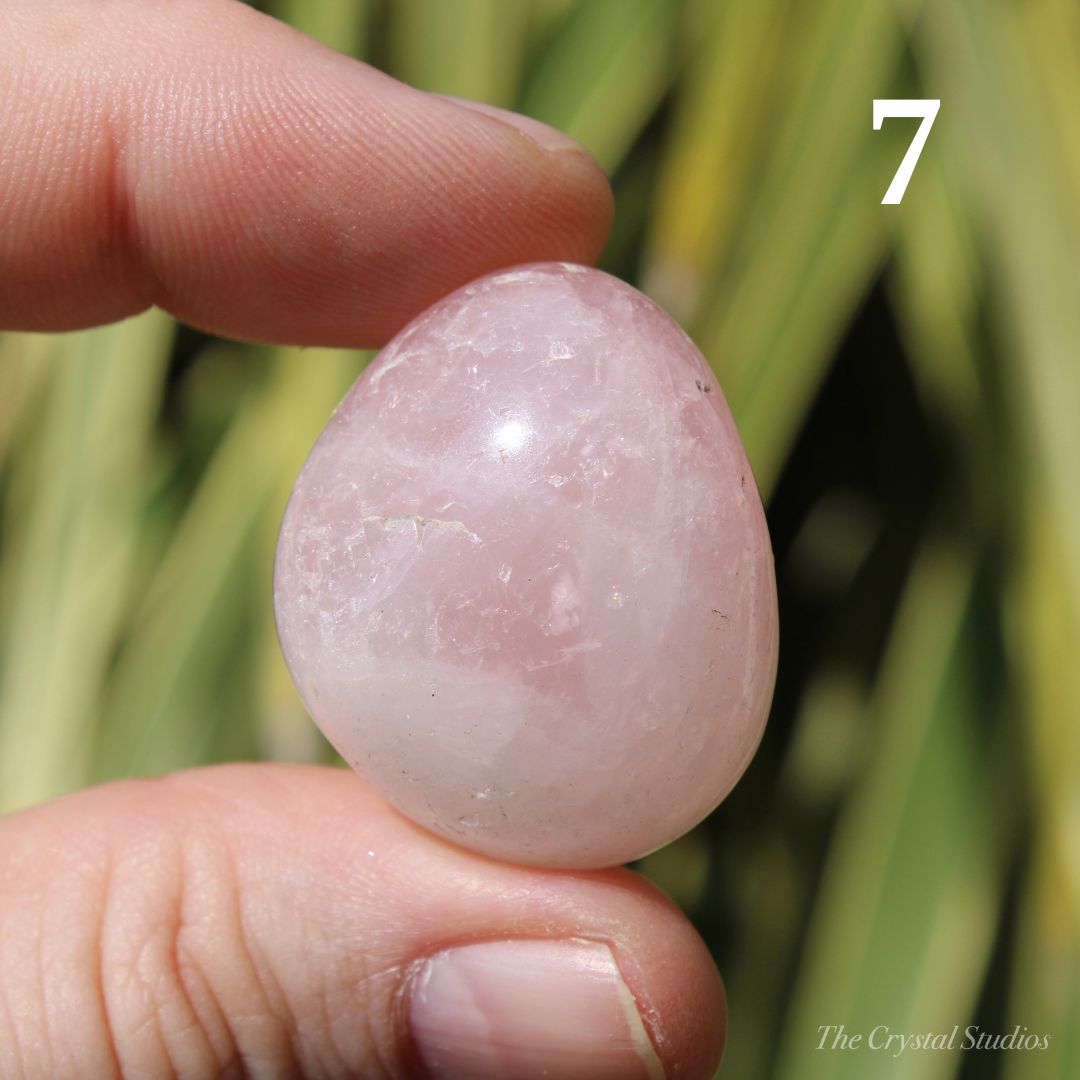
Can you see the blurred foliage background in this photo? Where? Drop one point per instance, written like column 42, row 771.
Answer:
column 905, row 848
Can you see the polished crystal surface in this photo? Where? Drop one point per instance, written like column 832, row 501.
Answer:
column 524, row 582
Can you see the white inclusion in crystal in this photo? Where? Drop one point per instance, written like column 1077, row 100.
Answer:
column 563, row 615
column 391, row 363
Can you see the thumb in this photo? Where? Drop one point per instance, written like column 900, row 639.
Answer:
column 275, row 920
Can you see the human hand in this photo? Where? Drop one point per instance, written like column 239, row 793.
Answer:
column 273, row 920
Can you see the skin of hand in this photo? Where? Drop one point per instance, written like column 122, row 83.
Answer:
column 276, row 921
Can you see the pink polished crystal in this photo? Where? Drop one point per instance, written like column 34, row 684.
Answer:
column 524, row 582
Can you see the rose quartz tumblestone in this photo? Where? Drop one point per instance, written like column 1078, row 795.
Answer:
column 524, row 582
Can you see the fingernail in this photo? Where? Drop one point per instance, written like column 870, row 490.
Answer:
column 548, row 137
column 525, row 1009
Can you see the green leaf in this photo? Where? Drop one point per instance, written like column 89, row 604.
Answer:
column 605, row 74
column 1044, row 642
column 716, row 139
column 907, row 909
column 469, row 48
column 72, row 564
column 815, row 233
column 341, row 24
column 25, row 362
column 170, row 675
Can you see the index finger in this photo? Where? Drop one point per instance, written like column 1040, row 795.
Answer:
column 200, row 156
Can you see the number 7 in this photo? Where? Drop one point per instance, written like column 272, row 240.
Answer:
column 927, row 108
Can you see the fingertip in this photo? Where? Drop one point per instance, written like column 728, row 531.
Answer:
column 676, row 984
column 413, row 196
column 258, row 185
column 544, row 134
